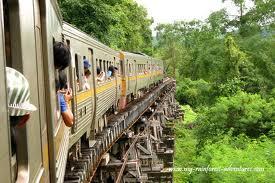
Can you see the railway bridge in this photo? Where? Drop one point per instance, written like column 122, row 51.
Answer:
column 136, row 146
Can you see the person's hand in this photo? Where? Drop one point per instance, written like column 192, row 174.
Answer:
column 68, row 95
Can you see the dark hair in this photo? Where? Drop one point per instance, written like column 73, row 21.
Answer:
column 98, row 70
column 62, row 80
column 111, row 68
column 87, row 72
column 62, row 55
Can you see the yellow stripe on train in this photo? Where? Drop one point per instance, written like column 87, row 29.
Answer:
column 82, row 96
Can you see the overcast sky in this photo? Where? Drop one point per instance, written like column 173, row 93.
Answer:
column 168, row 11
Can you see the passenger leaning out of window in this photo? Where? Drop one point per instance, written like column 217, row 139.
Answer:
column 86, row 85
column 62, row 59
column 64, row 95
column 86, row 64
column 111, row 72
column 100, row 74
column 19, row 106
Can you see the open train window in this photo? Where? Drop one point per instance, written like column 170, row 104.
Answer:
column 100, row 65
column 108, row 65
column 130, row 71
column 79, row 72
column 121, row 67
column 104, row 66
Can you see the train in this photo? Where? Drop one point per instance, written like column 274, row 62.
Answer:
column 28, row 31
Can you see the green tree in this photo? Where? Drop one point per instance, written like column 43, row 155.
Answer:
column 243, row 113
column 194, row 93
column 121, row 24
column 236, row 159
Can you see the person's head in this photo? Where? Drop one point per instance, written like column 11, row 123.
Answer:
column 19, row 105
column 62, row 80
column 111, row 68
column 87, row 73
column 86, row 64
column 98, row 70
column 62, row 56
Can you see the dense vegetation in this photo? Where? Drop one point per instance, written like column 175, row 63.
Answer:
column 121, row 24
column 225, row 70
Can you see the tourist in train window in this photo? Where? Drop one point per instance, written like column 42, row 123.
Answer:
column 64, row 95
column 86, row 64
column 100, row 74
column 111, row 71
column 18, row 102
column 86, row 85
column 19, row 109
column 62, row 56
column 62, row 59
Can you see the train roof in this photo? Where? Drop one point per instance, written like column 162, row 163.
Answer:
column 77, row 33
column 136, row 55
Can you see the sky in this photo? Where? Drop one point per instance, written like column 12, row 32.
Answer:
column 168, row 11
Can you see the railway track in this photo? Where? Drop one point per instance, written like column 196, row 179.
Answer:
column 83, row 169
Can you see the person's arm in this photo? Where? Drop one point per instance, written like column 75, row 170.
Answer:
column 66, row 112
column 101, row 76
column 68, row 117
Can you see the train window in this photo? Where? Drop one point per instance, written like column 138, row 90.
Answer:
column 100, row 64
column 121, row 67
column 107, row 65
column 76, row 65
column 104, row 66
column 77, row 72
column 68, row 43
column 129, row 68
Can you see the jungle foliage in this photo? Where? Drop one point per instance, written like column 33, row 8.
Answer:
column 121, row 24
column 225, row 70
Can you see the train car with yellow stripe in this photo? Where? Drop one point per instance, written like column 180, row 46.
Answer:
column 140, row 73
column 91, row 106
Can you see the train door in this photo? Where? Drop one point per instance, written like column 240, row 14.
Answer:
column 5, row 153
column 24, row 53
column 123, row 65
column 117, row 78
column 127, row 72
